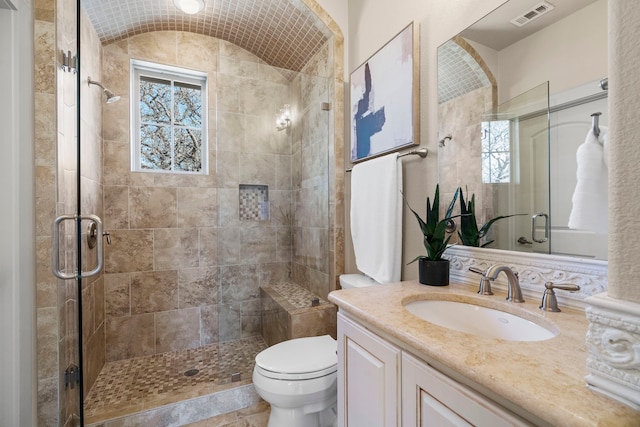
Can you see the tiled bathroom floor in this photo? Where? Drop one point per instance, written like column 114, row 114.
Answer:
column 132, row 385
column 254, row 416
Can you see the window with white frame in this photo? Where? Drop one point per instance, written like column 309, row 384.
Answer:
column 169, row 123
column 496, row 153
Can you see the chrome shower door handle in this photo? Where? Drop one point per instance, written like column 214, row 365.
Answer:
column 546, row 227
column 55, row 253
column 55, row 264
column 100, row 246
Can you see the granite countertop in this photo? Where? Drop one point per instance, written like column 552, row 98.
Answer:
column 544, row 378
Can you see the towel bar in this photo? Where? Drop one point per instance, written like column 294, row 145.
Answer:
column 422, row 152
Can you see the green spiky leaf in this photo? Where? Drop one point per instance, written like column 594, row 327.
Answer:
column 469, row 233
column 433, row 229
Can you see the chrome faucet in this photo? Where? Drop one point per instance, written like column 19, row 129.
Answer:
column 514, row 293
column 485, row 283
column 549, row 300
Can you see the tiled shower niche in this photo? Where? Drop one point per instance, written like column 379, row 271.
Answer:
column 254, row 202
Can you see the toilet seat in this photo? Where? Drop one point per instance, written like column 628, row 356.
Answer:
column 299, row 359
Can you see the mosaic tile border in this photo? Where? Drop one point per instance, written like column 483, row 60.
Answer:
column 296, row 295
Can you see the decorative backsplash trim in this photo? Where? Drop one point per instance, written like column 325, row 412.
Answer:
column 534, row 270
column 613, row 341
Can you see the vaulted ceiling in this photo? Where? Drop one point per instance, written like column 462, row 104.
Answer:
column 283, row 33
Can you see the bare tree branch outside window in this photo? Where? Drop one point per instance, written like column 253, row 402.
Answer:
column 496, row 155
column 170, row 125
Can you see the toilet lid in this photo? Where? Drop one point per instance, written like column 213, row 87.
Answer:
column 299, row 358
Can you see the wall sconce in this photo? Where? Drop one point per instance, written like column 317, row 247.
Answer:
column 283, row 120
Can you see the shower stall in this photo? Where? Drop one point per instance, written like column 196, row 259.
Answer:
column 175, row 314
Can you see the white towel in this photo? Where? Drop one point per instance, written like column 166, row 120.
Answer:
column 376, row 217
column 590, row 197
column 604, row 139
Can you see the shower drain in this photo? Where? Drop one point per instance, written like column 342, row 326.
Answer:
column 191, row 372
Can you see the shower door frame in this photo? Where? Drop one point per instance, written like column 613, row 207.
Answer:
column 70, row 354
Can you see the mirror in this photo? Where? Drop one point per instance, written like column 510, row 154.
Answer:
column 515, row 103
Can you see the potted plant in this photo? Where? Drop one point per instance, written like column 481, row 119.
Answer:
column 433, row 269
column 469, row 233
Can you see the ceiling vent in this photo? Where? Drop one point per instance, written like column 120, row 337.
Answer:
column 534, row 13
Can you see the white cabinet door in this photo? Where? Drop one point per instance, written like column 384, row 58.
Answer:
column 431, row 399
column 368, row 378
column 431, row 412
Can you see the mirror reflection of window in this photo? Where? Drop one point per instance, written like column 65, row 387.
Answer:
column 496, row 155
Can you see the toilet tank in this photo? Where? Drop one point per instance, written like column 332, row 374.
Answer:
column 350, row 281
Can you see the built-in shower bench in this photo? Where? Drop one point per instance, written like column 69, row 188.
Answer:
column 291, row 311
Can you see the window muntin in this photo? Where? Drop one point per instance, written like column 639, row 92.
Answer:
column 496, row 154
column 169, row 116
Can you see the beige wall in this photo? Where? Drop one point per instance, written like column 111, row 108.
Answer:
column 579, row 59
column 371, row 24
column 624, row 174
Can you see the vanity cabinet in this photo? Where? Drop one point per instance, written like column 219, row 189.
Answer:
column 368, row 378
column 430, row 398
column 380, row 384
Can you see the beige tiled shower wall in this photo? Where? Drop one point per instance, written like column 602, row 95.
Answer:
column 220, row 274
column 91, row 176
column 311, row 172
column 183, row 269
column 45, row 164
column 459, row 160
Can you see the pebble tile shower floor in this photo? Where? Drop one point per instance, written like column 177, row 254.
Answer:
column 127, row 386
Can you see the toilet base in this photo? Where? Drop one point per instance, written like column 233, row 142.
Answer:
column 296, row 417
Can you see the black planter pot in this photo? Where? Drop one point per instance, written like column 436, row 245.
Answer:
column 433, row 273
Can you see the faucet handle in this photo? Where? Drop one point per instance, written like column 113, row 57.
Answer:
column 485, row 283
column 549, row 300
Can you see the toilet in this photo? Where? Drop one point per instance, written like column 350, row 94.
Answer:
column 298, row 378
column 351, row 281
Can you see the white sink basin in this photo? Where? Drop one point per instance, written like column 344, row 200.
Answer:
column 478, row 320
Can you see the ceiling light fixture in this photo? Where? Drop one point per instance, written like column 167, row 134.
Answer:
column 189, row 7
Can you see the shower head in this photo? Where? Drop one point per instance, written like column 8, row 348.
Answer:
column 111, row 97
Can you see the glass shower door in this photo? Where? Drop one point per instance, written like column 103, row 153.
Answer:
column 65, row 236
column 76, row 232
column 515, row 161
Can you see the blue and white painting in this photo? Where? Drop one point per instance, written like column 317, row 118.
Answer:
column 382, row 99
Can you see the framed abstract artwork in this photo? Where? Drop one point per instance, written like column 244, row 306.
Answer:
column 385, row 98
